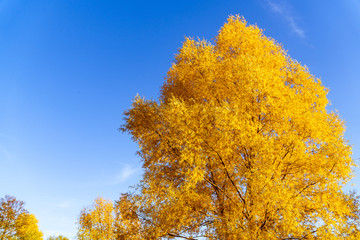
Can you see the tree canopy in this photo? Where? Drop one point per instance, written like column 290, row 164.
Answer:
column 96, row 222
column 16, row 222
column 240, row 145
column 105, row 220
column 60, row 237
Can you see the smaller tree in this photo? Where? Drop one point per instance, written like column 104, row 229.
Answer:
column 105, row 220
column 60, row 237
column 10, row 209
column 96, row 222
column 16, row 222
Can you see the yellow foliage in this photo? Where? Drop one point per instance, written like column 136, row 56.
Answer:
column 27, row 228
column 105, row 220
column 240, row 145
column 96, row 223
column 127, row 224
column 60, row 237
column 16, row 222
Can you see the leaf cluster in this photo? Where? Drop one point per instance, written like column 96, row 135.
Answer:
column 16, row 222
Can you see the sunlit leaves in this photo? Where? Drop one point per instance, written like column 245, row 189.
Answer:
column 16, row 222
column 105, row 220
column 96, row 222
column 240, row 145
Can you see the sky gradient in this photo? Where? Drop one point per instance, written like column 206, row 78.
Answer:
column 69, row 69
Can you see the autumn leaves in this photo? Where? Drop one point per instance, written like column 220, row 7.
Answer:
column 240, row 146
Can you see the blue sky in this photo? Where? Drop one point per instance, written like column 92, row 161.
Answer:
column 69, row 69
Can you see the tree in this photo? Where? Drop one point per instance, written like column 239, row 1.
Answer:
column 96, row 222
column 60, row 237
column 10, row 209
column 240, row 145
column 16, row 222
column 105, row 220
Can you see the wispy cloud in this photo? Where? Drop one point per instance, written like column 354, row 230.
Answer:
column 3, row 151
column 126, row 173
column 64, row 204
column 283, row 10
column 7, row 139
column 122, row 175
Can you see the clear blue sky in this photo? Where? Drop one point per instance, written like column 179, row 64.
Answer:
column 68, row 70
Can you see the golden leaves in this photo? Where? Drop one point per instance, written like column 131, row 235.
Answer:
column 97, row 222
column 240, row 145
column 27, row 228
column 105, row 220
column 16, row 222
